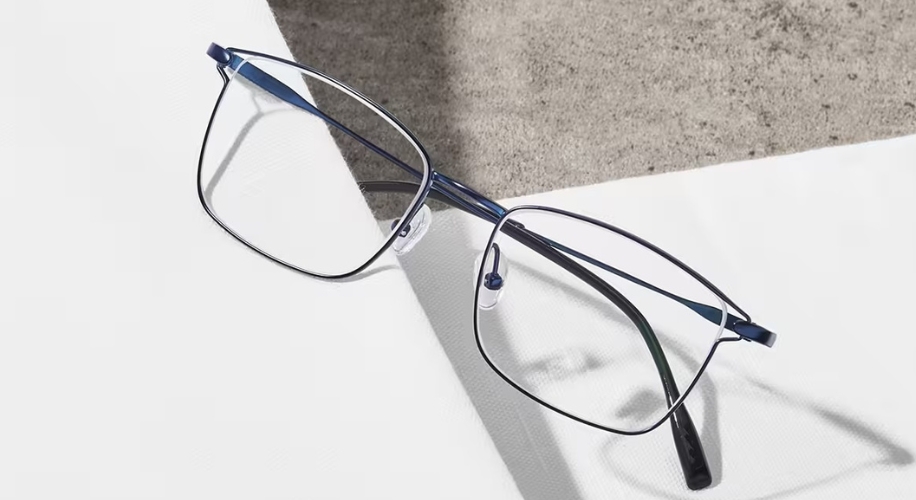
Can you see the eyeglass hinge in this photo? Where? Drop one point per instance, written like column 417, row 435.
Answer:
column 219, row 54
column 753, row 332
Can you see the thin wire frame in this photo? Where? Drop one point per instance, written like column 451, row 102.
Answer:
column 458, row 195
column 417, row 202
column 481, row 273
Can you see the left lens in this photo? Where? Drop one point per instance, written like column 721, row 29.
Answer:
column 614, row 345
column 286, row 180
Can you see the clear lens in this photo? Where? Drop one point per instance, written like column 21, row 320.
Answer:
column 567, row 344
column 286, row 181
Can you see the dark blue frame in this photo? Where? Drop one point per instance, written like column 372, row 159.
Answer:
column 442, row 188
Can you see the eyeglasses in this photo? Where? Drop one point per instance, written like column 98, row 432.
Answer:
column 582, row 317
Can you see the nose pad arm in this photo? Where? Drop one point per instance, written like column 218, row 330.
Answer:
column 413, row 232
column 495, row 272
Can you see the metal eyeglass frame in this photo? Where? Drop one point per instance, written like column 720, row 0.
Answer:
column 437, row 186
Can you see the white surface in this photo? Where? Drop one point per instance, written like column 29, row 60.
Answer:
column 146, row 354
column 817, row 246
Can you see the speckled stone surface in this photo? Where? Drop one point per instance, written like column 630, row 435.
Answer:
column 524, row 96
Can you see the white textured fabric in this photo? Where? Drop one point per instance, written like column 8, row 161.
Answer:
column 817, row 246
column 146, row 354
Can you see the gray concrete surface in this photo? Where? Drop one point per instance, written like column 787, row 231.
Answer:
column 523, row 96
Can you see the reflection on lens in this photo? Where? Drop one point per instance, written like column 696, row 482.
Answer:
column 288, row 183
column 604, row 360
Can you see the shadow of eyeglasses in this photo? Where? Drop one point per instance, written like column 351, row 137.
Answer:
column 886, row 452
column 889, row 453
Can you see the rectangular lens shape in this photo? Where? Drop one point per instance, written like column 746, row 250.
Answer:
column 285, row 162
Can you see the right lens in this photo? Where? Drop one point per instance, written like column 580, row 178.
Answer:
column 285, row 181
column 618, row 362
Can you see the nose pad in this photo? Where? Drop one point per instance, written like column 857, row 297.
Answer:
column 495, row 271
column 413, row 232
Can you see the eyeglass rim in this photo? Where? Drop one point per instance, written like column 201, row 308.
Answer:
column 410, row 212
column 636, row 239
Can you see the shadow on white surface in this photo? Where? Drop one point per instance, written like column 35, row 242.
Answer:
column 872, row 448
column 441, row 270
column 798, row 445
column 881, row 450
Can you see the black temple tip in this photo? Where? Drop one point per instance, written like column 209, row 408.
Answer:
column 690, row 450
